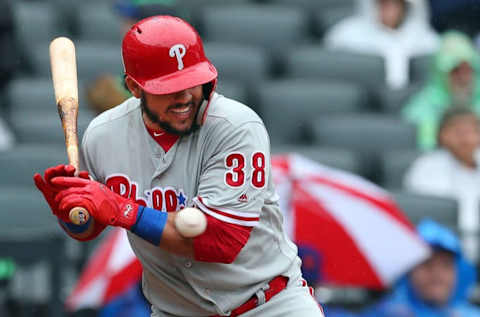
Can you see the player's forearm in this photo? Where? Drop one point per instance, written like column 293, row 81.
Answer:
column 159, row 229
column 172, row 241
column 221, row 242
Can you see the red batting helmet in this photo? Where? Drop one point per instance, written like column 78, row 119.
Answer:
column 164, row 54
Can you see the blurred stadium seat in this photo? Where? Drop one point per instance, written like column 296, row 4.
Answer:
column 286, row 105
column 268, row 26
column 34, row 94
column 367, row 134
column 198, row 4
column 316, row 4
column 323, row 19
column 31, row 96
column 321, row 14
column 99, row 23
column 20, row 163
column 393, row 100
column 310, row 97
column 333, row 157
column 363, row 132
column 245, row 63
column 45, row 128
column 314, row 61
column 420, row 68
column 35, row 24
column 93, row 59
column 394, row 164
column 25, row 214
column 233, row 89
column 418, row 207
column 29, row 234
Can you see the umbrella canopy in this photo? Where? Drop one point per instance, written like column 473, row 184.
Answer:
column 348, row 230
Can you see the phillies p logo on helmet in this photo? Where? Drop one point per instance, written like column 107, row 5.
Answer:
column 158, row 64
column 179, row 51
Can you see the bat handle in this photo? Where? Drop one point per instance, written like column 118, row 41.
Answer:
column 79, row 215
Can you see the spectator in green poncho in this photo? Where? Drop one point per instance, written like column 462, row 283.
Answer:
column 454, row 81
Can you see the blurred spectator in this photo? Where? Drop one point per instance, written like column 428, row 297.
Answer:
column 437, row 287
column 454, row 81
column 107, row 90
column 394, row 29
column 453, row 171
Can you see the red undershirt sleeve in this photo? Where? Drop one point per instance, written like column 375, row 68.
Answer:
column 221, row 242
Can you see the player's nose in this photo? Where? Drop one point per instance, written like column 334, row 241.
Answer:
column 183, row 96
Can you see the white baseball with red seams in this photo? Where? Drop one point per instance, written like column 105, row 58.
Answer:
column 190, row 222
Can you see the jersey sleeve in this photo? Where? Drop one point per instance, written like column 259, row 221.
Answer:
column 234, row 177
column 231, row 191
column 85, row 157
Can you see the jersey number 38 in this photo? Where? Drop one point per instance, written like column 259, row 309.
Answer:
column 236, row 165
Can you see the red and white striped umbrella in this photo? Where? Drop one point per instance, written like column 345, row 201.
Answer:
column 349, row 231
column 112, row 270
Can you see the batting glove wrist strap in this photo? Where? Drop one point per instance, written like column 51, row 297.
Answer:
column 150, row 224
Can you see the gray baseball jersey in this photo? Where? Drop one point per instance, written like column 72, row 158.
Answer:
column 224, row 170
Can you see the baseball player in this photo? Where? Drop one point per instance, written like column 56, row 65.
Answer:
column 176, row 144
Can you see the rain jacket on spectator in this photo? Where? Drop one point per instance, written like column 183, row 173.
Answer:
column 404, row 302
column 426, row 108
column 364, row 33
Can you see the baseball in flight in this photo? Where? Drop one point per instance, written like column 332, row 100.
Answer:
column 190, row 222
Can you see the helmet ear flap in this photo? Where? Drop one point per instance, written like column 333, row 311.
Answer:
column 207, row 90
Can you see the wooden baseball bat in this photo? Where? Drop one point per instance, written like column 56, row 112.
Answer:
column 64, row 76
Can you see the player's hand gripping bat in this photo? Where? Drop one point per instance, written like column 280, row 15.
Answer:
column 64, row 76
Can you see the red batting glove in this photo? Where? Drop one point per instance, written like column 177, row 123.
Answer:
column 49, row 190
column 105, row 206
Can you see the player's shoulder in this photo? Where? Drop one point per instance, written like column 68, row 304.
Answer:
column 115, row 116
column 230, row 111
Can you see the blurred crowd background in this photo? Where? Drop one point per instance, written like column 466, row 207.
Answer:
column 385, row 89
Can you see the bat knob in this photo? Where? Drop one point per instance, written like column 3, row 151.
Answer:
column 79, row 215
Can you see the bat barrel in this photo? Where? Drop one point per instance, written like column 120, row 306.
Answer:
column 68, row 112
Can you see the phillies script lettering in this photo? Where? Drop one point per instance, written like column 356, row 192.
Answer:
column 161, row 198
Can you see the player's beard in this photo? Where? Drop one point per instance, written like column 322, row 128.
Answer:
column 165, row 125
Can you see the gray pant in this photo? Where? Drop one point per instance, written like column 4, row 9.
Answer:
column 295, row 300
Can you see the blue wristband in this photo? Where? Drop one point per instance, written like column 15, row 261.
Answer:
column 76, row 229
column 150, row 224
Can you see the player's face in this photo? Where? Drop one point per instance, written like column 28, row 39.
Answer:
column 175, row 113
